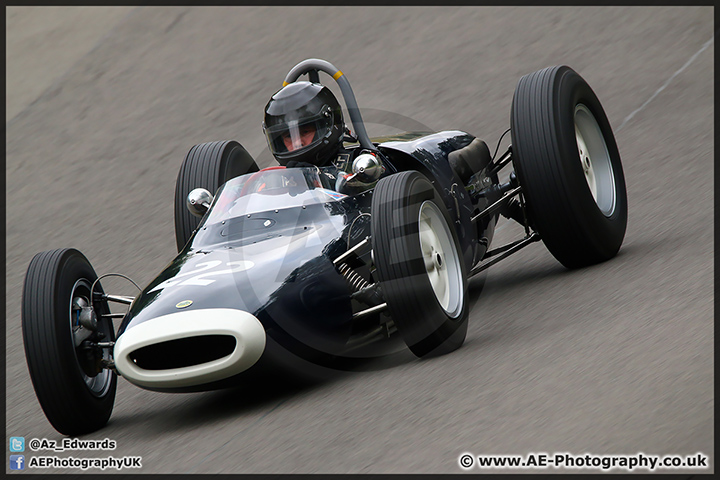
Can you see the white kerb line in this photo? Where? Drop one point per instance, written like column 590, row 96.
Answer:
column 667, row 82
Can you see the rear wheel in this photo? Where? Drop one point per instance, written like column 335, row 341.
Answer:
column 207, row 165
column 569, row 167
column 74, row 390
column 418, row 263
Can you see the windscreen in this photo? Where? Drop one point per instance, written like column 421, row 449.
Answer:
column 274, row 188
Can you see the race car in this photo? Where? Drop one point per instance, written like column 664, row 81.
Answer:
column 310, row 269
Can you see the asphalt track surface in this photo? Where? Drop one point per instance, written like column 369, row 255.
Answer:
column 612, row 359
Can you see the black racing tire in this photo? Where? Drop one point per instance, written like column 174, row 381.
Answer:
column 73, row 402
column 569, row 168
column 207, row 165
column 410, row 226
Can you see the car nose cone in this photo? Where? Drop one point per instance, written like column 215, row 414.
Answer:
column 189, row 347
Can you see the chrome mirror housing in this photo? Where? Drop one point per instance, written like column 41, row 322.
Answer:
column 198, row 201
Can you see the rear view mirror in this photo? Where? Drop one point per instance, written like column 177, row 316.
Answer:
column 198, row 201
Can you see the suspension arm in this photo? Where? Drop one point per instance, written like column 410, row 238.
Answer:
column 497, row 205
column 119, row 299
column 534, row 237
column 504, row 159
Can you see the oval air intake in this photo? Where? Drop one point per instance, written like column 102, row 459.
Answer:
column 183, row 352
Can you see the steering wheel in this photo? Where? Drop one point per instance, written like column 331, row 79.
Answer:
column 254, row 179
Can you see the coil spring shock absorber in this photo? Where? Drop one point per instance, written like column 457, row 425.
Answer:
column 363, row 291
column 354, row 279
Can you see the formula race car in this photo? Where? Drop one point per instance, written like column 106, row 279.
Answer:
column 306, row 269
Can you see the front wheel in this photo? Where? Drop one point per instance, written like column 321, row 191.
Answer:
column 568, row 164
column 74, row 390
column 419, row 265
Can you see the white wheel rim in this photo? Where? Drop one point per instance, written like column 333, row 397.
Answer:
column 100, row 383
column 595, row 160
column 440, row 255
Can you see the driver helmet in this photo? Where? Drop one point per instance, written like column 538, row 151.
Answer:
column 304, row 123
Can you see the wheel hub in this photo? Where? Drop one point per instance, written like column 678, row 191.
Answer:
column 595, row 160
column 441, row 258
column 97, row 382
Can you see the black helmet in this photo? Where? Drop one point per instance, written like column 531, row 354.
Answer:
column 306, row 116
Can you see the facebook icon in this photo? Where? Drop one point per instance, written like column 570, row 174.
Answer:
column 17, row 462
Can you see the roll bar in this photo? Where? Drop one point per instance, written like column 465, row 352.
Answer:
column 311, row 66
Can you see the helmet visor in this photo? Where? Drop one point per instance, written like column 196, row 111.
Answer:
column 295, row 134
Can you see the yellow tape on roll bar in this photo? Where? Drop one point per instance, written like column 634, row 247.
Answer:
column 337, row 75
